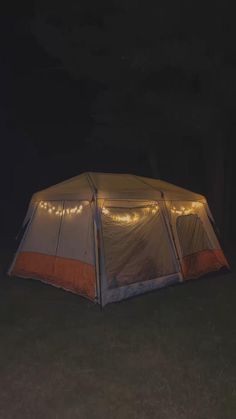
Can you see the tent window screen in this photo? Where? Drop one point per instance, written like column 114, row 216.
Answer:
column 42, row 236
column 136, row 245
column 192, row 235
column 76, row 233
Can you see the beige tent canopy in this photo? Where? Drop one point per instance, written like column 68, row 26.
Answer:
column 111, row 236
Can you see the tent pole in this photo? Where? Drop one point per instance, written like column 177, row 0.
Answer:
column 172, row 238
column 98, row 241
column 96, row 261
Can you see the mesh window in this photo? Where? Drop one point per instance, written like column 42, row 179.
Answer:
column 192, row 235
column 42, row 236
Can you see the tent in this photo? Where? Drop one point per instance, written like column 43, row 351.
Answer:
column 111, row 236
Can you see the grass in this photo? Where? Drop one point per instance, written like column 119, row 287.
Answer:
column 170, row 354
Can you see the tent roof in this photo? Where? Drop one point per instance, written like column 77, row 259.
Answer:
column 115, row 186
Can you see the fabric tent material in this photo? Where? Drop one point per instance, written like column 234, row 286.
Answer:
column 111, row 236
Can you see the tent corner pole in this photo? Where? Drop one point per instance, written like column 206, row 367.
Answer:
column 97, row 234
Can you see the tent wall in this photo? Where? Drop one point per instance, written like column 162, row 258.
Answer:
column 198, row 247
column 59, row 247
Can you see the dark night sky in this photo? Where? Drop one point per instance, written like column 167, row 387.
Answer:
column 45, row 113
column 46, row 120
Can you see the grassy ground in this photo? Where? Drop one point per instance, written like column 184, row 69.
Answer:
column 170, row 354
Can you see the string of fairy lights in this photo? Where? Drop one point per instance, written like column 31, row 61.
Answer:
column 131, row 217
column 58, row 210
column 187, row 211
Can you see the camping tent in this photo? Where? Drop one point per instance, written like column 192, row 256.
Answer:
column 111, row 236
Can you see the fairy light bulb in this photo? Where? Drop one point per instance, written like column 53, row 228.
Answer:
column 79, row 210
column 136, row 218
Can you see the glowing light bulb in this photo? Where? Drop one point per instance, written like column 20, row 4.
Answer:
column 136, row 218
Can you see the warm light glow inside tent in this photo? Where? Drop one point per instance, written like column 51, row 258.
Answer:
column 111, row 236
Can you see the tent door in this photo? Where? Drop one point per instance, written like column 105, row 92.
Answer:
column 136, row 244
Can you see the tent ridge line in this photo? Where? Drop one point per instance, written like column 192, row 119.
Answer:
column 92, row 184
column 152, row 187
